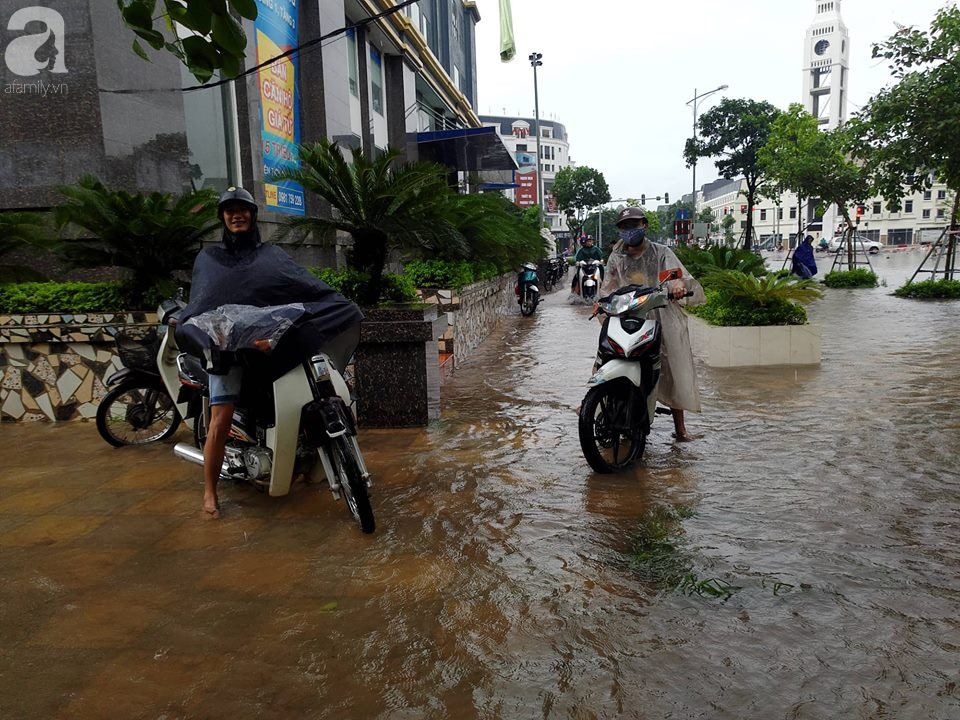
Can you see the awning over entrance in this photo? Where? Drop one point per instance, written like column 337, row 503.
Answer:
column 466, row 149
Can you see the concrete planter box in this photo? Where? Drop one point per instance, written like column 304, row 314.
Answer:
column 752, row 346
column 397, row 366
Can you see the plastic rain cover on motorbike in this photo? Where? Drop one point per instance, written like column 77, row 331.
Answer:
column 265, row 276
column 240, row 327
column 678, row 380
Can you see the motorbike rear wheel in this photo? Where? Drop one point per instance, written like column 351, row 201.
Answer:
column 528, row 305
column 607, row 443
column 352, row 484
column 136, row 412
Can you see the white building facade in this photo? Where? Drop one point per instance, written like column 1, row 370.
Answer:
column 921, row 217
column 517, row 134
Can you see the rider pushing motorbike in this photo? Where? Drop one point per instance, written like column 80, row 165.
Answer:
column 243, row 270
column 636, row 260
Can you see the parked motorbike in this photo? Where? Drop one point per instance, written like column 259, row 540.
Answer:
column 616, row 413
column 528, row 294
column 558, row 268
column 299, row 423
column 137, row 409
column 588, row 278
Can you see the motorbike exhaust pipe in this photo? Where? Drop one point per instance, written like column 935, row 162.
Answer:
column 189, row 453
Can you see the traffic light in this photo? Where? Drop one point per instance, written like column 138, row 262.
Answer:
column 643, row 200
column 860, row 210
column 666, row 198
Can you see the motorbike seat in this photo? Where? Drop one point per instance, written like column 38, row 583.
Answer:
column 191, row 371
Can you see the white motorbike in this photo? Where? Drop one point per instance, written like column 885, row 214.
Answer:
column 589, row 278
column 300, row 424
column 616, row 413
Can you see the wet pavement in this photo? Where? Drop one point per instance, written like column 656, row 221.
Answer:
column 499, row 581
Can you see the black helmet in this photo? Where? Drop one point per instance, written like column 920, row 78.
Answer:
column 235, row 194
column 631, row 213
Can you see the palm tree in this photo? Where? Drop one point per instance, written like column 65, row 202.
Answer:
column 20, row 230
column 383, row 205
column 153, row 235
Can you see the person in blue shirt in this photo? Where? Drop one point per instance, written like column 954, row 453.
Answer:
column 804, row 264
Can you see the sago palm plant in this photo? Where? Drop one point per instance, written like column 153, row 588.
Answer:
column 380, row 203
column 152, row 235
column 702, row 263
column 766, row 290
column 20, row 230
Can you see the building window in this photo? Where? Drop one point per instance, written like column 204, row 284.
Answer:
column 456, row 77
column 376, row 81
column 927, row 194
column 763, row 214
column 210, row 124
column 779, row 213
column 941, row 213
column 876, row 208
column 908, row 206
column 546, row 132
column 903, row 236
column 793, row 213
column 926, row 214
column 521, row 147
column 353, row 73
column 941, row 194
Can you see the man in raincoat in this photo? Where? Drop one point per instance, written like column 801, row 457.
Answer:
column 636, row 260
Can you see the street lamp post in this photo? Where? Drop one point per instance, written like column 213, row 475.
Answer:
column 535, row 62
column 694, row 101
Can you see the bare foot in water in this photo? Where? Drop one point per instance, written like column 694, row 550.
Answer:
column 211, row 506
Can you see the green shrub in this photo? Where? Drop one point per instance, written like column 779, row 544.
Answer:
column 856, row 278
column 67, row 297
column 725, row 311
column 930, row 290
column 455, row 274
column 352, row 284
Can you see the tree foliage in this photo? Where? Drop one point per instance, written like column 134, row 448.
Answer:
column 734, row 132
column 20, row 231
column 152, row 235
column 578, row 189
column 909, row 134
column 216, row 43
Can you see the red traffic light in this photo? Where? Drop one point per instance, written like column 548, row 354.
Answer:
column 860, row 210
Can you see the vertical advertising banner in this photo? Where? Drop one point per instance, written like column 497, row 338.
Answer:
column 276, row 32
column 527, row 190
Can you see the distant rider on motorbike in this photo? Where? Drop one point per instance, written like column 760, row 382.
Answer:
column 244, row 270
column 636, row 260
column 586, row 253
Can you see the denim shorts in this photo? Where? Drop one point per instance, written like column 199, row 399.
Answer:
column 225, row 389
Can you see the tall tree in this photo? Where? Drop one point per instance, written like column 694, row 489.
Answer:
column 577, row 190
column 908, row 135
column 734, row 131
column 815, row 163
column 789, row 159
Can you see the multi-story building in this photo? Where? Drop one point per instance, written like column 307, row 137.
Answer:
column 404, row 79
column 921, row 217
column 518, row 135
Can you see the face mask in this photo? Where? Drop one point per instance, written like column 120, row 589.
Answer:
column 632, row 237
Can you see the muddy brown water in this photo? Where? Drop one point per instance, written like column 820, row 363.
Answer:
column 496, row 585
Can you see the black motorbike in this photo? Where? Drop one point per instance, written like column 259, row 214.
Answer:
column 137, row 409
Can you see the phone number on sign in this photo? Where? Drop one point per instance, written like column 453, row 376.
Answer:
column 288, row 198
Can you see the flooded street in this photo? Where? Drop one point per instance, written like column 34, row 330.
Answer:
column 499, row 581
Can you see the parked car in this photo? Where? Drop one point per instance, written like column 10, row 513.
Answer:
column 872, row 246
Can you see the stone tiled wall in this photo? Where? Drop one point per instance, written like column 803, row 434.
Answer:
column 472, row 314
column 53, row 367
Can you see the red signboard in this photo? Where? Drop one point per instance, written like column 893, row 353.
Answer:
column 527, row 192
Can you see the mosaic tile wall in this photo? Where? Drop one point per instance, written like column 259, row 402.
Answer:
column 53, row 367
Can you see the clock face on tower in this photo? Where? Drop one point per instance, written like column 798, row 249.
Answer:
column 821, row 47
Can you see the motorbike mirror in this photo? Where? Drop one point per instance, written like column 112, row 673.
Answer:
column 671, row 274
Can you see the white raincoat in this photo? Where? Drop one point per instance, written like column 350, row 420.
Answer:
column 678, row 380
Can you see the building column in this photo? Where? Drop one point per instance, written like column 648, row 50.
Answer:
column 311, row 95
column 401, row 96
column 363, row 58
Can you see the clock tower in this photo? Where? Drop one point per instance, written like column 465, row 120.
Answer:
column 826, row 63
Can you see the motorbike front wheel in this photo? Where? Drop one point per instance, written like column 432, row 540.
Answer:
column 352, row 485
column 608, row 443
column 136, row 413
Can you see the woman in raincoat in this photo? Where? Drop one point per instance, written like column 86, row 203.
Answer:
column 636, row 260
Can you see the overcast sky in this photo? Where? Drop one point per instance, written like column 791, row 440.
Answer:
column 618, row 73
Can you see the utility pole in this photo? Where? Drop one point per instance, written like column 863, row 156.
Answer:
column 535, row 62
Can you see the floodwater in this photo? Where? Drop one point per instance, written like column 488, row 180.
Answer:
column 498, row 583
